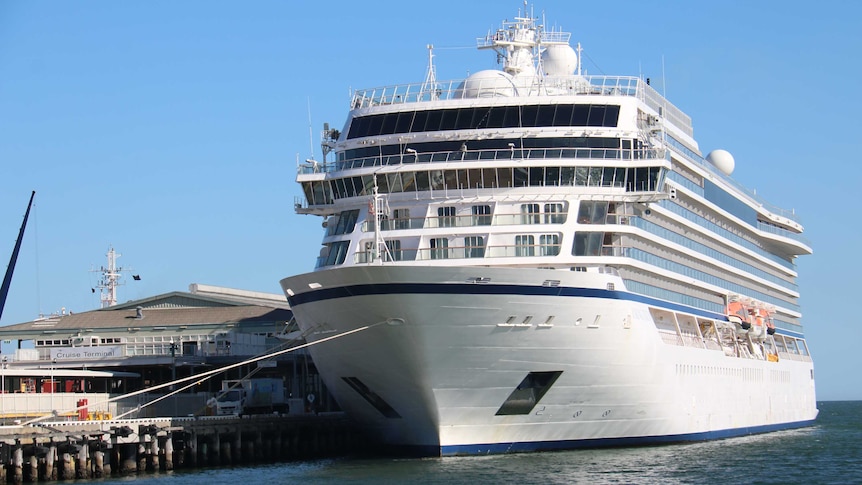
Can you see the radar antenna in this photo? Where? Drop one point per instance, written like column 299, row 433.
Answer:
column 111, row 279
column 429, row 87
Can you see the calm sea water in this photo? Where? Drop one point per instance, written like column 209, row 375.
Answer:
column 829, row 452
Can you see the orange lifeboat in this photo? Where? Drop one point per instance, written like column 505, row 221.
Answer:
column 766, row 316
column 738, row 312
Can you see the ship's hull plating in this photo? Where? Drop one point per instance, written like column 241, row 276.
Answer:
column 446, row 347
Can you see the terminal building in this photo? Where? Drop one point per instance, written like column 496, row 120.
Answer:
column 52, row 364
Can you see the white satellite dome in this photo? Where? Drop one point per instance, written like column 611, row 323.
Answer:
column 559, row 60
column 486, row 84
column 722, row 160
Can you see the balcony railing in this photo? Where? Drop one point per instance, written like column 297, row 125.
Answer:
column 312, row 167
column 466, row 221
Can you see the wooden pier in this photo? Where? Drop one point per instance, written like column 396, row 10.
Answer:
column 95, row 449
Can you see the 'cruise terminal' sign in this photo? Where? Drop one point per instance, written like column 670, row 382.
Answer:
column 86, row 353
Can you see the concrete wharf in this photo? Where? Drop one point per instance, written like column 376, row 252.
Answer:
column 66, row 450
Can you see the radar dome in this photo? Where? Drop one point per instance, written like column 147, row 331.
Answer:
column 486, row 84
column 559, row 60
column 722, row 160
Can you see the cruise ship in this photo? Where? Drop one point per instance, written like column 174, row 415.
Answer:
column 534, row 258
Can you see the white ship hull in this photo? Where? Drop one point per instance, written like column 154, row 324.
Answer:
column 444, row 352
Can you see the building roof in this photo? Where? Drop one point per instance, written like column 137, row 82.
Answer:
column 170, row 311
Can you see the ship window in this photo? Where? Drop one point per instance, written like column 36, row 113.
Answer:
column 549, row 244
column 349, row 189
column 337, row 253
column 520, row 177
column 485, row 117
column 419, row 121
column 371, row 397
column 642, row 179
column 367, row 184
column 393, row 247
column 375, row 125
column 422, row 181
column 489, row 178
column 433, row 121
column 450, row 117
column 537, row 176
column 612, row 115
column 346, row 222
column 563, row 116
column 465, row 118
column 554, row 214
column 529, row 392
column 401, row 218
column 382, row 184
column 595, row 179
column 389, row 122
column 357, row 127
column 579, row 117
column 505, row 178
column 528, row 115
column 439, row 248
column 446, row 216
column 495, row 117
column 581, row 176
column 546, row 115
column 525, row 245
column 592, row 212
column 512, row 118
column 475, row 176
column 567, row 176
column 394, row 182
column 481, row 215
column 450, row 179
column 408, row 180
column 597, row 116
column 437, row 180
column 552, row 176
column 404, row 122
column 530, row 214
column 588, row 244
column 474, row 247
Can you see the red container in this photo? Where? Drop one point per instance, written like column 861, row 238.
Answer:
column 82, row 411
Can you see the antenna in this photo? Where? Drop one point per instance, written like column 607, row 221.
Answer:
column 110, row 279
column 430, row 84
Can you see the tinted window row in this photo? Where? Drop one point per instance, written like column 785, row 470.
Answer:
column 486, row 117
column 635, row 179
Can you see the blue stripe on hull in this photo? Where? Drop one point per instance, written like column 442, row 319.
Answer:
column 474, row 289
column 499, row 448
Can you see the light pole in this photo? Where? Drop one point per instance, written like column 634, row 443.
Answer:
column 53, row 364
column 3, row 390
column 173, row 372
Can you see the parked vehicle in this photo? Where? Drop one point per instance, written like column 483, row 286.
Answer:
column 251, row 396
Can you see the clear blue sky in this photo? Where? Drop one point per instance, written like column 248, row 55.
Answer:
column 171, row 130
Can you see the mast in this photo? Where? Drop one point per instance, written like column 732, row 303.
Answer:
column 7, row 280
column 430, row 84
column 110, row 280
